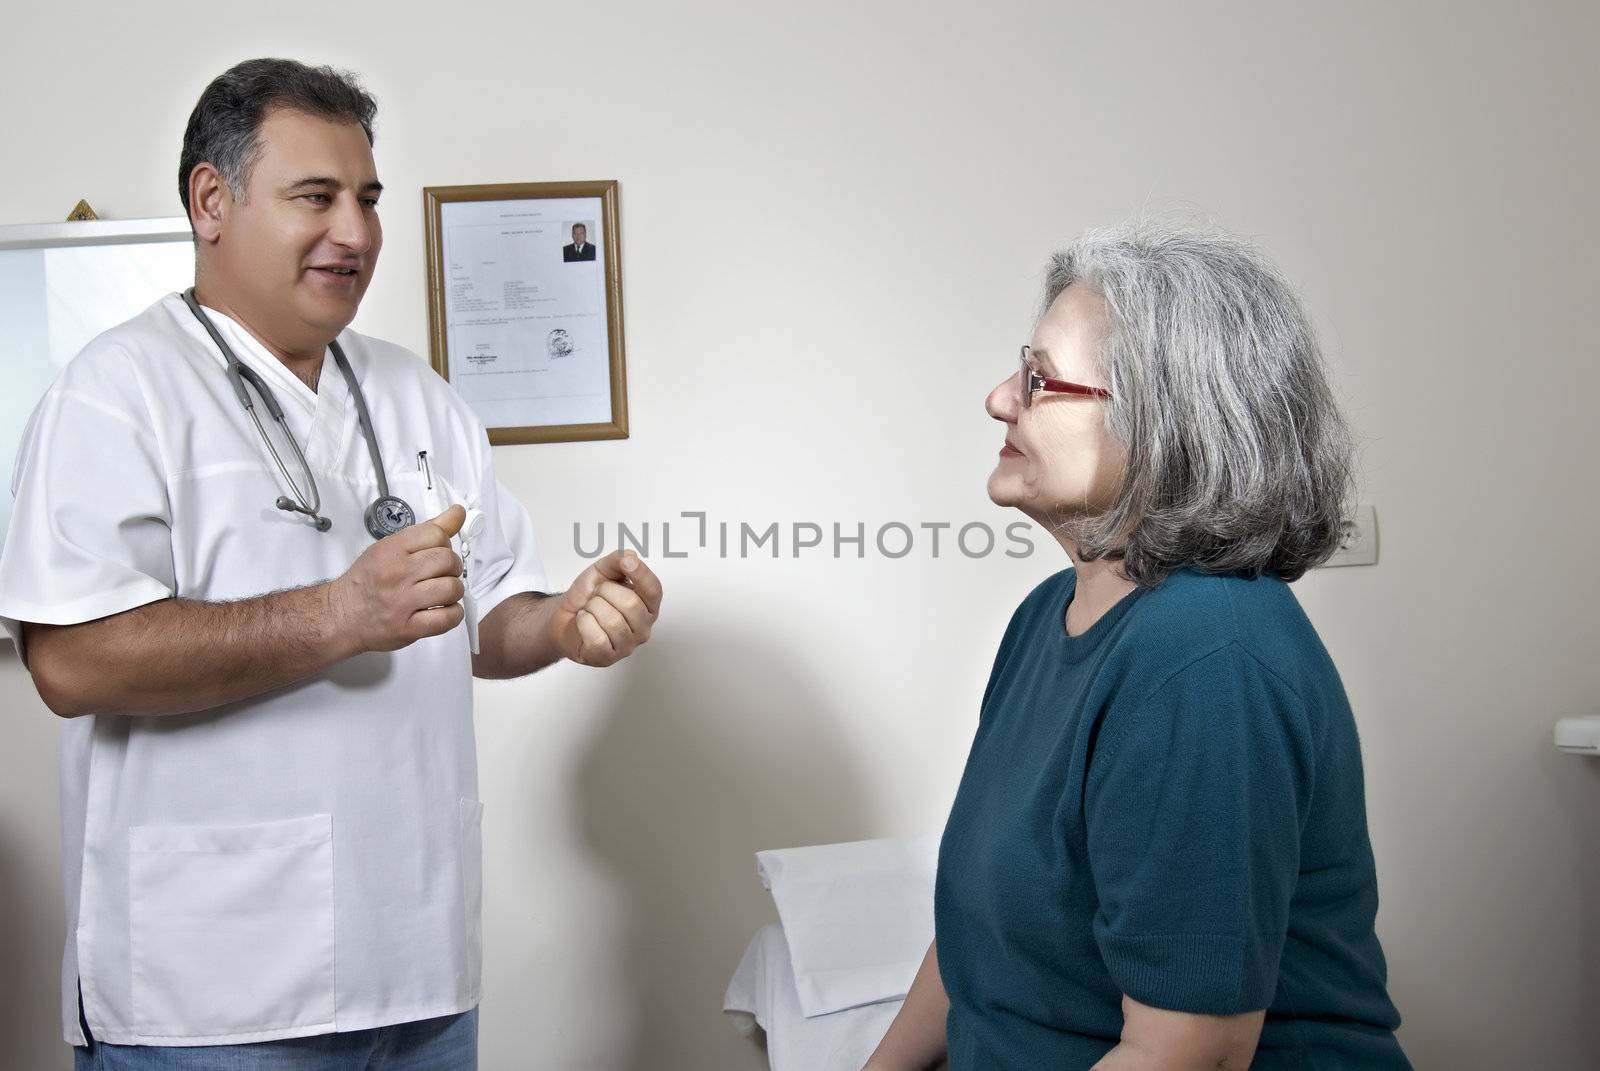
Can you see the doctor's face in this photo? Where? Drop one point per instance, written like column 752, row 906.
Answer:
column 298, row 252
column 1059, row 459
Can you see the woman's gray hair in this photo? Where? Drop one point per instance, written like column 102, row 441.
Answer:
column 1237, row 457
column 225, row 127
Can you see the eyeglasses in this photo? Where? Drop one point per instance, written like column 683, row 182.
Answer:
column 1032, row 382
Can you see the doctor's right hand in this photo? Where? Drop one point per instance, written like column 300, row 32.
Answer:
column 402, row 588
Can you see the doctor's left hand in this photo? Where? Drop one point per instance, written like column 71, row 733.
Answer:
column 608, row 610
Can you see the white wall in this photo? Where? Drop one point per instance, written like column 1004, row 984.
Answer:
column 834, row 216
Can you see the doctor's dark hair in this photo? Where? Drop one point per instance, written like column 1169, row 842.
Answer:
column 1237, row 458
column 225, row 127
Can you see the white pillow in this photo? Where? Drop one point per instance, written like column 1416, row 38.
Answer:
column 858, row 917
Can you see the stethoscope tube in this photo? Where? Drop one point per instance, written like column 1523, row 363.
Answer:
column 237, row 373
column 386, row 515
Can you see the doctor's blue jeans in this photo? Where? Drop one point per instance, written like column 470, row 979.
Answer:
column 449, row 1043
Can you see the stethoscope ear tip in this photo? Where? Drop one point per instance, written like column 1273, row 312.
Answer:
column 288, row 505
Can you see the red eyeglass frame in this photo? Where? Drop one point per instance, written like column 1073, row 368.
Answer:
column 1033, row 382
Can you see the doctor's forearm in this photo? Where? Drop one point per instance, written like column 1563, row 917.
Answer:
column 179, row 656
column 515, row 638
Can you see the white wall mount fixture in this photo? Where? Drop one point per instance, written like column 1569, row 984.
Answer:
column 1579, row 736
column 1360, row 543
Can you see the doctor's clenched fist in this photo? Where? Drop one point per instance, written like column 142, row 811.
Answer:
column 608, row 610
column 403, row 587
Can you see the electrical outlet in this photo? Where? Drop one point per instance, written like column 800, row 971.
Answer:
column 1360, row 543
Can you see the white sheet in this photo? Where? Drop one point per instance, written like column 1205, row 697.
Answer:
column 763, row 993
column 858, row 917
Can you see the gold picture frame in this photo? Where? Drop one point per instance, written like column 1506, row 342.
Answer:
column 504, row 233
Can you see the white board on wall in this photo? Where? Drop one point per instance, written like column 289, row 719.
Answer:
column 61, row 284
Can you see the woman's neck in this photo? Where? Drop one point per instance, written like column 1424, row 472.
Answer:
column 1100, row 586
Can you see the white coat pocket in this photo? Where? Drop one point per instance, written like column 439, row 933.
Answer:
column 232, row 928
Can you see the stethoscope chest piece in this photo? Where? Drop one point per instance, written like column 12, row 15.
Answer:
column 388, row 515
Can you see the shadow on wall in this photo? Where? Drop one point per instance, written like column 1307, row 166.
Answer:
column 30, row 948
column 1577, row 780
column 716, row 747
column 32, row 922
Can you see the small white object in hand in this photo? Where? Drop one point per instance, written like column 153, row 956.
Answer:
column 471, row 529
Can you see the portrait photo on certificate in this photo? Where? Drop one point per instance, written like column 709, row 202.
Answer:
column 525, row 307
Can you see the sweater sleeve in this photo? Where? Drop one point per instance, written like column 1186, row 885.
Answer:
column 1194, row 804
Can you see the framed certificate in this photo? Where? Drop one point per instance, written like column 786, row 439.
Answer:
column 525, row 307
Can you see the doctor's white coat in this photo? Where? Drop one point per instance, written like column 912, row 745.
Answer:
column 308, row 860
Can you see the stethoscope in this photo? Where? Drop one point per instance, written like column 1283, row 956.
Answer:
column 388, row 513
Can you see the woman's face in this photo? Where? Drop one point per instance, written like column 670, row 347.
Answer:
column 1059, row 460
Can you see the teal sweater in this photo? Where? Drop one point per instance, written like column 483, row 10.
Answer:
column 1168, row 806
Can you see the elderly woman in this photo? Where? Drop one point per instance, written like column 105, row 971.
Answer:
column 1158, row 855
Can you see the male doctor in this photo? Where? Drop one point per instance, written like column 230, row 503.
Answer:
column 270, row 812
